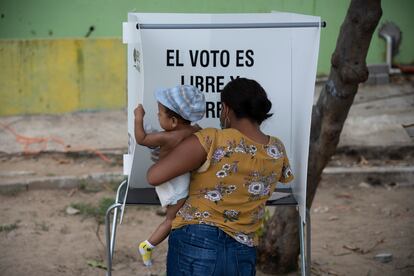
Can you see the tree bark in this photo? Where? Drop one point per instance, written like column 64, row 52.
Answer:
column 279, row 246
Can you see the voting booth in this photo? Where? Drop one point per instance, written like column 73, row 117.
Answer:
column 279, row 50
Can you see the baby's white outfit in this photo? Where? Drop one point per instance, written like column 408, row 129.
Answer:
column 173, row 190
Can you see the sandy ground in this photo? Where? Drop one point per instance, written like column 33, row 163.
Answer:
column 350, row 225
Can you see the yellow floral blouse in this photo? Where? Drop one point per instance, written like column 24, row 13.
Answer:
column 231, row 188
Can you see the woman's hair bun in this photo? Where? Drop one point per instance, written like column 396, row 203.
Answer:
column 247, row 99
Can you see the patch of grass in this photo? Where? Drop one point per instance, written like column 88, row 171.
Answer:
column 82, row 185
column 9, row 227
column 112, row 186
column 104, row 204
column 86, row 187
column 97, row 212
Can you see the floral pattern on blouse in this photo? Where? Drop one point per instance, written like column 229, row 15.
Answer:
column 231, row 148
column 237, row 179
column 246, row 239
column 231, row 215
column 227, row 169
column 259, row 185
column 190, row 213
column 215, row 195
column 287, row 171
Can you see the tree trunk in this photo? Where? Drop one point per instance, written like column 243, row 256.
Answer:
column 279, row 246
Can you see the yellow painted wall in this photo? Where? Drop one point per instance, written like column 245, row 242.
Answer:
column 61, row 75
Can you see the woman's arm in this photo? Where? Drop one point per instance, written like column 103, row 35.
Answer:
column 187, row 156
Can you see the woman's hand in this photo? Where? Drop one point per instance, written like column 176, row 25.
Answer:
column 187, row 156
column 155, row 154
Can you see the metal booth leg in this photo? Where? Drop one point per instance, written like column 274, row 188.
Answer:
column 110, row 236
column 302, row 248
column 308, row 243
column 113, row 232
column 110, row 240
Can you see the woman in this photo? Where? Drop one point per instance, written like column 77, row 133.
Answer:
column 234, row 171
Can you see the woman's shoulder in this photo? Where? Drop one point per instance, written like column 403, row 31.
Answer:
column 206, row 133
column 207, row 130
column 276, row 140
column 215, row 137
column 214, row 132
column 206, row 137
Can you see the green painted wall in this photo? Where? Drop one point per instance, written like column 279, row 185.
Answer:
column 27, row 19
column 63, row 56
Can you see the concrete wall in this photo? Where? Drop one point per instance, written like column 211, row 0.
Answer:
column 62, row 75
column 63, row 56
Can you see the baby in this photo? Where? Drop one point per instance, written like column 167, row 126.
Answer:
column 178, row 107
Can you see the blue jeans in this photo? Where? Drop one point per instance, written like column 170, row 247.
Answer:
column 206, row 250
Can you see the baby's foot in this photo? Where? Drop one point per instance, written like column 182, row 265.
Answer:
column 146, row 251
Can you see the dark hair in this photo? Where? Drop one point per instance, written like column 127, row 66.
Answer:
column 171, row 113
column 247, row 99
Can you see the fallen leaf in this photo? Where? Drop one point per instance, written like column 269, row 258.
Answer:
column 72, row 192
column 341, row 254
column 96, row 264
column 351, row 247
column 364, row 185
column 363, row 161
column 72, row 211
column 361, row 250
column 321, row 209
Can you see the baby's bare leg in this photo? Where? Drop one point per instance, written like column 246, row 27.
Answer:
column 163, row 230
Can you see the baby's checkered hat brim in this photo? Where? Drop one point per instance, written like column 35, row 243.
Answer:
column 186, row 100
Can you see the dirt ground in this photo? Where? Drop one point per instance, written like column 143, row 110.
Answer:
column 350, row 225
column 20, row 167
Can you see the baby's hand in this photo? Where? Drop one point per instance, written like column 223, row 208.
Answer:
column 139, row 112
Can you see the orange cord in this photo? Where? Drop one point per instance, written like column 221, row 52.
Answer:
column 43, row 141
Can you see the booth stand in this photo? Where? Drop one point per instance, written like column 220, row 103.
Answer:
column 279, row 50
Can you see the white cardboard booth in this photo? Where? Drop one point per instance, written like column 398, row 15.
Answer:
column 279, row 50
